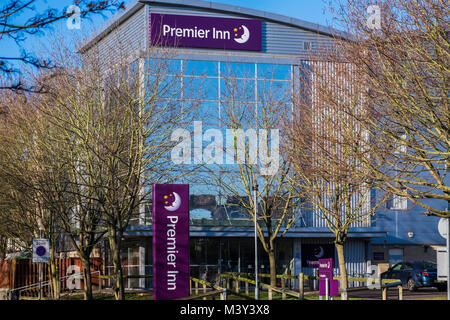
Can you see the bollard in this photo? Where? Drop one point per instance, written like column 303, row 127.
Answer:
column 384, row 293
column 301, row 286
column 236, row 283
column 196, row 287
column 283, row 288
column 270, row 294
column 344, row 295
column 246, row 288
column 400, row 292
column 204, row 288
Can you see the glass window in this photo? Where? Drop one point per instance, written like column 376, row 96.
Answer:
column 200, row 88
column 202, row 200
column 237, row 70
column 407, row 266
column 397, row 267
column 163, row 66
column 242, row 113
column 426, row 265
column 237, row 90
column 201, row 68
column 164, row 86
column 274, row 90
column 274, row 71
column 207, row 112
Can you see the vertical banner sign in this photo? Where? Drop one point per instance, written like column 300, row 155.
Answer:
column 170, row 241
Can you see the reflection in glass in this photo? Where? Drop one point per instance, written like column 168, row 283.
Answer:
column 237, row 70
column 201, row 68
column 200, row 88
column 274, row 71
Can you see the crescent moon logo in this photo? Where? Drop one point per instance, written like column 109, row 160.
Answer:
column 245, row 36
column 175, row 204
column 320, row 253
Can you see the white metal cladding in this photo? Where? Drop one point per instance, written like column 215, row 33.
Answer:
column 277, row 38
column 361, row 200
column 126, row 39
column 356, row 256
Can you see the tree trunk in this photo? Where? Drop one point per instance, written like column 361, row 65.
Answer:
column 114, row 245
column 342, row 269
column 86, row 262
column 54, row 275
column 273, row 270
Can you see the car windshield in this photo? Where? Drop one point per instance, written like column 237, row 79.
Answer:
column 426, row 265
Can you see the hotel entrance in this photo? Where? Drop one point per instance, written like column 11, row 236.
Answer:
column 213, row 256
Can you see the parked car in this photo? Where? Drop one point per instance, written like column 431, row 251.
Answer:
column 415, row 274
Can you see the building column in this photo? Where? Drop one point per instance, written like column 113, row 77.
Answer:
column 297, row 254
column 142, row 264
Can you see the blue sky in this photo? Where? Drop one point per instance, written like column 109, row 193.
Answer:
column 309, row 10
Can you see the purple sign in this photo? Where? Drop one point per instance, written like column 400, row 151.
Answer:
column 326, row 272
column 205, row 32
column 333, row 288
column 170, row 241
column 311, row 253
column 326, row 268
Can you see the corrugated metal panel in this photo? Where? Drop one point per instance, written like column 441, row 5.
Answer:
column 359, row 199
column 126, row 39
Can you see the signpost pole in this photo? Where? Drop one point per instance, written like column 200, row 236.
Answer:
column 255, row 191
column 40, row 271
column 448, row 257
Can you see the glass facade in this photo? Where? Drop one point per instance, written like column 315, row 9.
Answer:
column 212, row 89
column 209, row 257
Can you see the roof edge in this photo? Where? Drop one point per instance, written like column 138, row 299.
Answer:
column 252, row 13
column 136, row 5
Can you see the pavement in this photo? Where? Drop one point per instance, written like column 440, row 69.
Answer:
column 420, row 294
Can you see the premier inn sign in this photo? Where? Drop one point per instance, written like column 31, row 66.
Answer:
column 170, row 241
column 205, row 32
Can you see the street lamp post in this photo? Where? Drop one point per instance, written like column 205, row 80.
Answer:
column 40, row 270
column 255, row 202
column 448, row 257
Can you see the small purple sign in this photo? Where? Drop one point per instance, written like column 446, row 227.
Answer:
column 205, row 32
column 170, row 241
column 333, row 288
column 326, row 268
column 326, row 272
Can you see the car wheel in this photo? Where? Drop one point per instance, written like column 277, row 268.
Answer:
column 412, row 285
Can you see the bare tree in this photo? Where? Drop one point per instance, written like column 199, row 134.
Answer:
column 12, row 27
column 28, row 176
column 402, row 68
column 251, row 125
column 325, row 149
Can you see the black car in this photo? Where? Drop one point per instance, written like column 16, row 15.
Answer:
column 415, row 274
